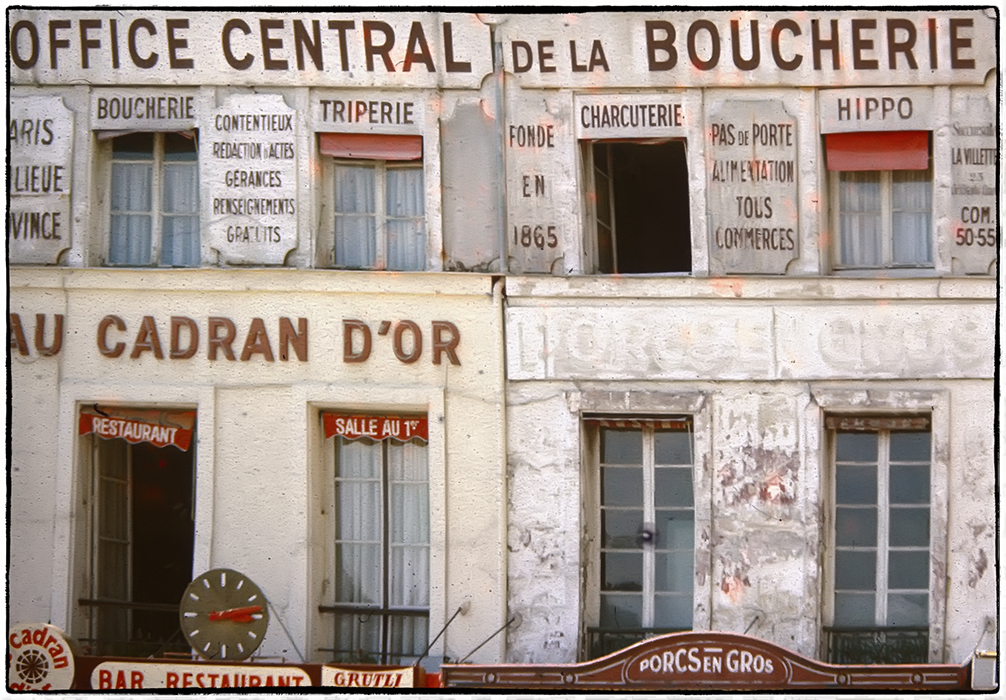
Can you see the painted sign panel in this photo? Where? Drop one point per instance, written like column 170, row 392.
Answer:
column 159, row 428
column 973, row 144
column 634, row 115
column 373, row 677
column 368, row 112
column 541, row 191
column 354, row 427
column 38, row 658
column 704, row 661
column 752, row 164
column 748, row 49
column 248, row 156
column 876, row 109
column 161, row 109
column 179, row 47
column 40, row 144
column 139, row 675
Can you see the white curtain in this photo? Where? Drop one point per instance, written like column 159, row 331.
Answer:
column 132, row 219
column 861, row 227
column 911, row 216
column 406, row 218
column 180, row 215
column 363, row 576
column 355, row 216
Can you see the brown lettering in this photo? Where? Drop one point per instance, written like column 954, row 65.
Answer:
column 287, row 338
column 449, row 346
column 177, row 323
column 224, row 343
column 417, row 342
column 147, row 339
column 103, row 329
column 257, row 341
column 57, row 338
column 16, row 335
column 348, row 326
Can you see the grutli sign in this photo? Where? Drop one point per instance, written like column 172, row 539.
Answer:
column 706, row 661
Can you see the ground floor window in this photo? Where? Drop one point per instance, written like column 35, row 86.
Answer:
column 881, row 540
column 647, row 530
column 380, row 571
column 140, row 524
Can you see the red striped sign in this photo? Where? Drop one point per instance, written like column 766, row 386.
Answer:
column 159, row 428
column 355, row 427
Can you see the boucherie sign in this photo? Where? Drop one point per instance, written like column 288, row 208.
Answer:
column 705, row 661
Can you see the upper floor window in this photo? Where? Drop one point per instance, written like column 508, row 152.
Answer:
column 881, row 515
column 154, row 200
column 637, row 207
column 882, row 192
column 378, row 201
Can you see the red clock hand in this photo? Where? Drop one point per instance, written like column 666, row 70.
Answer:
column 235, row 614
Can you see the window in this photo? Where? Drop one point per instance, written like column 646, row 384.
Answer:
column 647, row 528
column 381, row 543
column 638, row 205
column 379, row 201
column 140, row 523
column 882, row 186
column 881, row 516
column 154, row 211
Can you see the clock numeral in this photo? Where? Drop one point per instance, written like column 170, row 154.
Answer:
column 190, row 614
column 223, row 651
column 223, row 579
column 193, row 596
column 207, row 646
column 252, row 634
column 240, row 583
column 206, row 583
column 193, row 633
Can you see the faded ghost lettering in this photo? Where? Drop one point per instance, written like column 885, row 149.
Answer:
column 407, row 341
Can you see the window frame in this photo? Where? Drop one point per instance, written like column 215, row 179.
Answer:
column 592, row 252
column 590, row 618
column 882, row 400
column 105, row 152
column 887, row 263
column 329, row 606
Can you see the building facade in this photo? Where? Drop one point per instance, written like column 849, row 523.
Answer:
column 584, row 326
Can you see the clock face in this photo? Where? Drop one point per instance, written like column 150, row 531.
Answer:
column 223, row 615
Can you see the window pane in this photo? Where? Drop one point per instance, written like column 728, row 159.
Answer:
column 675, row 529
column 622, row 571
column 910, row 447
column 673, row 611
column 907, row 609
column 179, row 147
column 357, row 637
column 355, row 189
column 621, row 528
column 409, row 638
column 405, row 207
column 675, row 571
column 410, row 510
column 130, row 239
column 856, row 447
column 139, row 146
column 358, row 573
column 407, row 461
column 855, row 610
column 180, row 245
column 856, row 484
column 622, row 486
column 355, row 220
column 406, row 244
column 405, row 195
column 908, row 570
column 856, row 571
column 673, row 486
column 359, row 459
column 621, row 610
column 860, row 221
column 672, row 447
column 131, row 187
column 909, row 527
column 856, row 527
column 409, row 580
column 911, row 218
column 358, row 511
column 180, row 234
column 909, row 483
column 621, row 446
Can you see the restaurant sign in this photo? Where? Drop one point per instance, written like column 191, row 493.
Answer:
column 140, row 675
column 705, row 661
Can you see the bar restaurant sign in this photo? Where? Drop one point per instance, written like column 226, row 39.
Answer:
column 704, row 661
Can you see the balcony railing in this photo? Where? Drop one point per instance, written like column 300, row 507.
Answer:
column 606, row 640
column 877, row 645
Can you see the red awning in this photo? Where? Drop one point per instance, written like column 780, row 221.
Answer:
column 159, row 428
column 877, row 150
column 372, row 146
column 355, row 427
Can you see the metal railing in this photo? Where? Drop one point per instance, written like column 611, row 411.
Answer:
column 606, row 640
column 877, row 645
column 385, row 655
column 104, row 641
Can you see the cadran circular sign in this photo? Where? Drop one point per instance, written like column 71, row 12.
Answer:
column 38, row 658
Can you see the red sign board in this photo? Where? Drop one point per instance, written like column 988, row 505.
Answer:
column 354, row 427
column 705, row 661
column 159, row 428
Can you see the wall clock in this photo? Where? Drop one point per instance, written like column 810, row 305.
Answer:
column 223, row 615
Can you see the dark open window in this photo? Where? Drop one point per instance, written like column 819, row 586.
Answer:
column 638, row 199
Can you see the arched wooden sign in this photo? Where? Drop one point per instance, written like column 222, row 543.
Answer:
column 705, row 661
